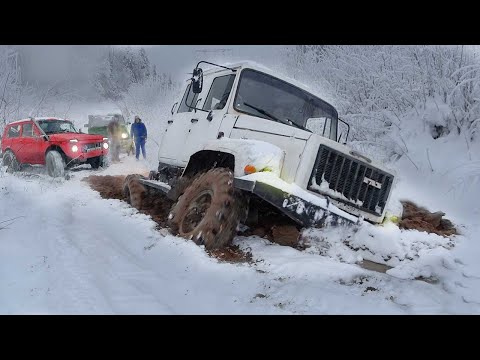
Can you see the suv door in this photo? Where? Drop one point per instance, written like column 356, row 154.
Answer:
column 13, row 136
column 31, row 143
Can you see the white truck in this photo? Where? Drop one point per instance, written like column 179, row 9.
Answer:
column 243, row 139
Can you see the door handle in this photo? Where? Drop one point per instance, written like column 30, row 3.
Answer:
column 170, row 121
column 194, row 121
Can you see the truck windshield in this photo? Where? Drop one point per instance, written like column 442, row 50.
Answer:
column 285, row 102
column 56, row 126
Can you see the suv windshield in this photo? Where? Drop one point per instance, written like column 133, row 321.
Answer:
column 56, row 126
column 264, row 96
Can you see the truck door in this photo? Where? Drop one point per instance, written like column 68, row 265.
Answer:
column 204, row 125
column 173, row 142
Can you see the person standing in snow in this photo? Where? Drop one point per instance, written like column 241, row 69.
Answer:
column 139, row 134
column 114, row 135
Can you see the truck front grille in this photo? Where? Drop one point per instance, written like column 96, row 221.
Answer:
column 92, row 146
column 350, row 181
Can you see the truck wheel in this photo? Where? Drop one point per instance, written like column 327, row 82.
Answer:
column 96, row 162
column 208, row 212
column 55, row 164
column 10, row 161
column 133, row 191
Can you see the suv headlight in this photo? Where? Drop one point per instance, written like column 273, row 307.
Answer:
column 74, row 148
column 105, row 145
column 124, row 135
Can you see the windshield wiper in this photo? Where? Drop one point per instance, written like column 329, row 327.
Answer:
column 286, row 122
column 299, row 126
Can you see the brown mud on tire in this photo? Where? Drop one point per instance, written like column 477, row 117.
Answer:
column 208, row 212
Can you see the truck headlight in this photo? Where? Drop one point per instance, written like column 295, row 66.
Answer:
column 105, row 145
column 124, row 135
column 74, row 148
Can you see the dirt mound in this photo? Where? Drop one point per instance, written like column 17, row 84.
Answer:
column 109, row 187
column 418, row 218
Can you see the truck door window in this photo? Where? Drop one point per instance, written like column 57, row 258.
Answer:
column 191, row 99
column 219, row 93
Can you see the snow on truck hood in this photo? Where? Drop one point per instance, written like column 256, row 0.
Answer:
column 250, row 152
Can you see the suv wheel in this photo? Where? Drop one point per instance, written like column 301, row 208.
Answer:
column 55, row 164
column 208, row 211
column 10, row 161
column 96, row 162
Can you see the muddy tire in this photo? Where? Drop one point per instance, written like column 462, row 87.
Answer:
column 208, row 211
column 55, row 164
column 10, row 161
column 96, row 162
column 133, row 191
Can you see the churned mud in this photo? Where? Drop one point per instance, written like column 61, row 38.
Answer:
column 154, row 204
column 418, row 218
column 271, row 226
column 109, row 187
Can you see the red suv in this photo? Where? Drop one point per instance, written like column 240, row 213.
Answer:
column 52, row 142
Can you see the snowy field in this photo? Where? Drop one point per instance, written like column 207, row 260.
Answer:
column 65, row 250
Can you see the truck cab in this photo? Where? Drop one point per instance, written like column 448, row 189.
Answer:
column 243, row 139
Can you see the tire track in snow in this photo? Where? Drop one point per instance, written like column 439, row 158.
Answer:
column 91, row 261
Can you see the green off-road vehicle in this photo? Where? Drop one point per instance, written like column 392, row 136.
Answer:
column 98, row 124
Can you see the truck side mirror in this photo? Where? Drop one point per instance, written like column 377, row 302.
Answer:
column 197, row 80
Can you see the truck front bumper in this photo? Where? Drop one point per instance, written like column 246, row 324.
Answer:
column 299, row 208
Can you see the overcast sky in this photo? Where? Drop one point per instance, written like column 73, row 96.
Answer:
column 181, row 58
column 77, row 62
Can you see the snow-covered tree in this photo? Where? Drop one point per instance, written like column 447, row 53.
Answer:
column 382, row 89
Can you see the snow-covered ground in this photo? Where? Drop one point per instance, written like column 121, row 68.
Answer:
column 68, row 251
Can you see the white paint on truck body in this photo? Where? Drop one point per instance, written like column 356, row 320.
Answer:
column 289, row 152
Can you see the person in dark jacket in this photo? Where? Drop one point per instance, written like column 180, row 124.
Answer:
column 139, row 134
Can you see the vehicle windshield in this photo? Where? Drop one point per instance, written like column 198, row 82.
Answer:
column 57, row 126
column 264, row 96
column 104, row 120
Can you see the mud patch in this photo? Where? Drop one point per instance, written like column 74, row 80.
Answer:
column 146, row 201
column 418, row 218
column 155, row 204
column 109, row 187
column 272, row 225
column 231, row 254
